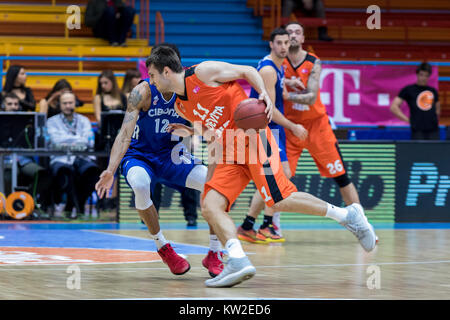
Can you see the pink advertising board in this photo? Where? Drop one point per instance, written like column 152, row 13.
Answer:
column 361, row 94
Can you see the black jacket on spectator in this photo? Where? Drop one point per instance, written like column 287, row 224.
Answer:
column 95, row 10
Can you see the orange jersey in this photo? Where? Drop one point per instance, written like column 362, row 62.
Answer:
column 299, row 112
column 213, row 106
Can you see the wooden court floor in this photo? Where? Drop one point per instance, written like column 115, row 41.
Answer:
column 313, row 263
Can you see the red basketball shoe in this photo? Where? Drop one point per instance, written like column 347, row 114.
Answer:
column 176, row 263
column 213, row 263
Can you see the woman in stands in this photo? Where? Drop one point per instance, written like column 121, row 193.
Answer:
column 15, row 83
column 132, row 78
column 50, row 104
column 108, row 96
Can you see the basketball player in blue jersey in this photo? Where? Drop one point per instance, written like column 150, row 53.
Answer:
column 147, row 153
column 271, row 70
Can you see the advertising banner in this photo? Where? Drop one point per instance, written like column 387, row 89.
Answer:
column 423, row 182
column 362, row 94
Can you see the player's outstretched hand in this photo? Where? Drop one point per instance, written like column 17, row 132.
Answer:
column 180, row 129
column 299, row 131
column 295, row 84
column 269, row 109
column 104, row 184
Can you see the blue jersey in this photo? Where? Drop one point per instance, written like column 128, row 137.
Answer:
column 165, row 159
column 150, row 136
column 266, row 61
column 277, row 130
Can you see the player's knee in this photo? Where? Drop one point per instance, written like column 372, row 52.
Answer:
column 212, row 204
column 197, row 177
column 342, row 180
column 139, row 181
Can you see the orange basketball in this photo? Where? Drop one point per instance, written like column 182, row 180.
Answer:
column 250, row 114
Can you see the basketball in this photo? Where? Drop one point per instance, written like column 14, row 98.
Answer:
column 250, row 114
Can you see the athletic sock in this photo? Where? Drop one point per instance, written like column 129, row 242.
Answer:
column 214, row 243
column 248, row 223
column 159, row 239
column 266, row 222
column 336, row 213
column 234, row 248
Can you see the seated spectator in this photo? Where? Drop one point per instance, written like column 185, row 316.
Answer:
column 74, row 175
column 30, row 174
column 15, row 83
column 110, row 20
column 132, row 78
column 50, row 104
column 424, row 106
column 108, row 96
column 310, row 8
column 10, row 102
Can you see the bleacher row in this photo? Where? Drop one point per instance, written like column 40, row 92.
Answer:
column 412, row 30
column 38, row 29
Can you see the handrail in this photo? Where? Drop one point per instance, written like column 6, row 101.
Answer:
column 159, row 28
column 64, row 73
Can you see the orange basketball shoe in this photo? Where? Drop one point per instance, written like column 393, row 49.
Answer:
column 270, row 234
column 177, row 264
column 251, row 236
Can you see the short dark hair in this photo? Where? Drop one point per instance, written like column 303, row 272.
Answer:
column 294, row 22
column 424, row 66
column 11, row 95
column 162, row 57
column 278, row 32
column 170, row 45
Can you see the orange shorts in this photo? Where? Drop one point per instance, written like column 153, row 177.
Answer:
column 321, row 144
column 230, row 179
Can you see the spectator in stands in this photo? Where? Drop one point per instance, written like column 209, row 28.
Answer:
column 15, row 83
column 11, row 102
column 50, row 104
column 108, row 96
column 74, row 175
column 131, row 80
column 310, row 8
column 110, row 20
column 424, row 106
column 31, row 175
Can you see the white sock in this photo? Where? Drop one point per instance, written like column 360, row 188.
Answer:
column 214, row 243
column 160, row 241
column 336, row 213
column 234, row 248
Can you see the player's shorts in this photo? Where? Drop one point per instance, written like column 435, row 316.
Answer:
column 321, row 144
column 170, row 168
column 280, row 136
column 230, row 179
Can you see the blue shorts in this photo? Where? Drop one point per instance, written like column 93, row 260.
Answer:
column 280, row 136
column 168, row 168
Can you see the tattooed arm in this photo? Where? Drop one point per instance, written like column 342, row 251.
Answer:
column 309, row 95
column 137, row 99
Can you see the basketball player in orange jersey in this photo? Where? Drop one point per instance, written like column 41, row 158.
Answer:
column 272, row 72
column 305, row 107
column 208, row 94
